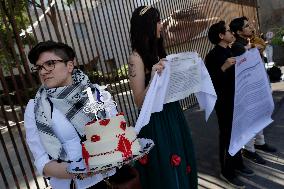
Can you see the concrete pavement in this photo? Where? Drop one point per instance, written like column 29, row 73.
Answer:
column 205, row 137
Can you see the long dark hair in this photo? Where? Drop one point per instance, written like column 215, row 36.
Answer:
column 143, row 35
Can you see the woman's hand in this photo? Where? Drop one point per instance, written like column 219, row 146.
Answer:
column 57, row 170
column 159, row 67
column 228, row 63
column 82, row 176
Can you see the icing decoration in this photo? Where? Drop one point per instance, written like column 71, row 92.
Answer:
column 95, row 138
column 86, row 156
column 124, row 146
column 121, row 113
column 91, row 122
column 110, row 152
column 123, row 125
column 103, row 102
column 104, row 122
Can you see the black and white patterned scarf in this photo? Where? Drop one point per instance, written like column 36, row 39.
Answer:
column 70, row 100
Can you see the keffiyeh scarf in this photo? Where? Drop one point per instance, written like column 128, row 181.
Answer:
column 70, row 100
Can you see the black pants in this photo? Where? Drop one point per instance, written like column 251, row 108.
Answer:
column 228, row 163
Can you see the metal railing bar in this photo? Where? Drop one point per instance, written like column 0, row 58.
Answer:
column 92, row 29
column 126, row 36
column 68, row 27
column 3, row 141
column 31, row 21
column 119, row 61
column 3, row 174
column 77, row 38
column 82, row 33
column 38, row 21
column 60, row 20
column 111, row 45
column 42, row 7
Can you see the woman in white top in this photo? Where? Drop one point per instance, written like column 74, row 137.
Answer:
column 54, row 120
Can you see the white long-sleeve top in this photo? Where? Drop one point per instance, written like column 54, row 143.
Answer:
column 70, row 142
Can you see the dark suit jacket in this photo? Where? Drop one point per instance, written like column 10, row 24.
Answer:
column 238, row 47
column 224, row 82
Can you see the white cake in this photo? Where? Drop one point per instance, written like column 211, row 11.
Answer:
column 109, row 143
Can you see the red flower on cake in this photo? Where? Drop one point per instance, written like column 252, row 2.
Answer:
column 123, row 125
column 188, row 169
column 124, row 146
column 175, row 160
column 121, row 113
column 104, row 122
column 144, row 160
column 85, row 155
column 91, row 122
column 95, row 138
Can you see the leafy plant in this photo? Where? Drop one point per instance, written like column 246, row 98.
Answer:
column 14, row 17
column 123, row 71
column 95, row 76
column 278, row 38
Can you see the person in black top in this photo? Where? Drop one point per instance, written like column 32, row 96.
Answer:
column 243, row 31
column 220, row 64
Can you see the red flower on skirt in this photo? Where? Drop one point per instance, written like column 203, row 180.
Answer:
column 188, row 169
column 175, row 160
column 143, row 160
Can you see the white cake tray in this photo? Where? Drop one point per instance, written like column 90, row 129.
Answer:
column 79, row 166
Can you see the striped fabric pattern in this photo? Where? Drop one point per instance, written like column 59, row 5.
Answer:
column 70, row 100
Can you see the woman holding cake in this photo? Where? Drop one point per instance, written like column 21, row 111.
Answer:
column 171, row 163
column 55, row 120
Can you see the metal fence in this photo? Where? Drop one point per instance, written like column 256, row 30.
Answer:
column 98, row 30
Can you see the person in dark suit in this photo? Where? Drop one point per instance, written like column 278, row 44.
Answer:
column 221, row 67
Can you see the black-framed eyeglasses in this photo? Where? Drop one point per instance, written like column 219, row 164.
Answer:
column 247, row 25
column 48, row 65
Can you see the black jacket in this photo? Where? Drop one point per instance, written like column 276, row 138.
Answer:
column 224, row 82
column 238, row 47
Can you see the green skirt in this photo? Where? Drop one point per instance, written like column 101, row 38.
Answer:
column 171, row 163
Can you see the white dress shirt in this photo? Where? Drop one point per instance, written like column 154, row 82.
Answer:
column 70, row 140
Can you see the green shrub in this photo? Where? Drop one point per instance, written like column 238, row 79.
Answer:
column 116, row 75
column 95, row 76
column 122, row 72
column 278, row 38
